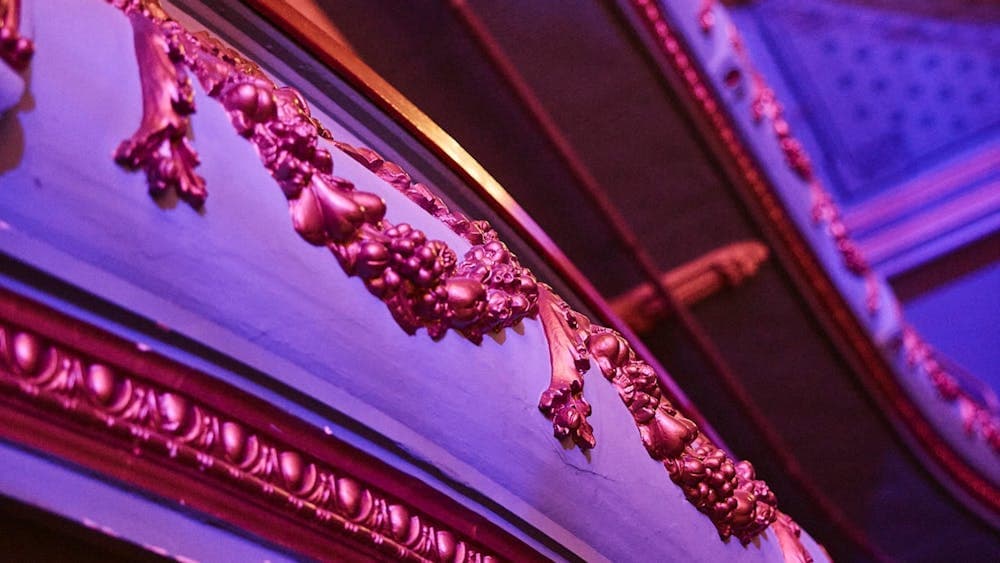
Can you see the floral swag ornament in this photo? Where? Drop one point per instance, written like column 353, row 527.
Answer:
column 422, row 282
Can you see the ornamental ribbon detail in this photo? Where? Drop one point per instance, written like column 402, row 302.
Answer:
column 422, row 282
column 562, row 402
column 15, row 49
column 167, row 422
column 160, row 146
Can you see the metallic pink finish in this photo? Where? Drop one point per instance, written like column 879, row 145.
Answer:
column 15, row 49
column 727, row 491
column 476, row 232
column 197, row 435
column 425, row 286
column 563, row 401
column 788, row 534
column 656, row 437
column 160, row 147
column 395, row 106
column 977, row 418
column 201, row 432
column 422, row 281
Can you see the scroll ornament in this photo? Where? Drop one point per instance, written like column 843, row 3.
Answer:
column 422, row 281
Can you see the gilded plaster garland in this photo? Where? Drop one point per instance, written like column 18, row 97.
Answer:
column 422, row 281
column 15, row 49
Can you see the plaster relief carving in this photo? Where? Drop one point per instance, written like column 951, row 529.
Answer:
column 978, row 419
column 15, row 49
column 725, row 490
column 883, row 374
column 788, row 534
column 563, row 401
column 160, row 146
column 764, row 106
column 186, row 431
column 422, row 281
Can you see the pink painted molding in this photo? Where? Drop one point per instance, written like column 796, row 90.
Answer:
column 977, row 418
column 764, row 106
column 423, row 282
column 160, row 146
column 980, row 421
column 71, row 389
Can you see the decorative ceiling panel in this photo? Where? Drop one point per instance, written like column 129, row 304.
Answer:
column 887, row 92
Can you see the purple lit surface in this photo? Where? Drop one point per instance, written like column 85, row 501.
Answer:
column 889, row 92
column 962, row 321
column 237, row 279
column 122, row 514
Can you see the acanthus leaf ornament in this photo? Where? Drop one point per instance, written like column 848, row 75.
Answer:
column 562, row 402
column 15, row 49
column 425, row 285
column 160, row 146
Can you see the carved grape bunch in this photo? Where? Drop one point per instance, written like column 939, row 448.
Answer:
column 420, row 280
column 424, row 263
